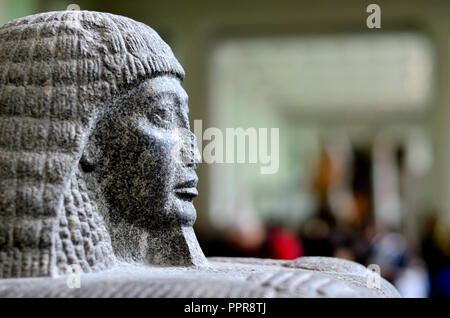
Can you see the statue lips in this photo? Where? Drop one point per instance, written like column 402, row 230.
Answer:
column 187, row 190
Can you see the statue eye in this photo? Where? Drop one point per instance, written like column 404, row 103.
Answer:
column 161, row 117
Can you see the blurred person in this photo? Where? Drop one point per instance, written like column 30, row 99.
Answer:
column 398, row 261
column 281, row 243
column 344, row 253
column 412, row 280
column 244, row 238
column 388, row 250
column 441, row 283
column 435, row 246
column 343, row 186
column 250, row 237
column 332, row 194
column 362, row 190
column 388, row 162
column 316, row 238
column 326, row 177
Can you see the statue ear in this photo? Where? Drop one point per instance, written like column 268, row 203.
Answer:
column 89, row 158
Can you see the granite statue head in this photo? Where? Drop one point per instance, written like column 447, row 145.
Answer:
column 97, row 161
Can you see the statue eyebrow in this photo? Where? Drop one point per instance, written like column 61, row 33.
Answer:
column 163, row 94
column 181, row 102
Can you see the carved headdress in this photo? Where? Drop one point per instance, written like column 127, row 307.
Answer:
column 57, row 71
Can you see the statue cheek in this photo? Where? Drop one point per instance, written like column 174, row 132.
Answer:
column 160, row 147
column 161, row 142
column 156, row 164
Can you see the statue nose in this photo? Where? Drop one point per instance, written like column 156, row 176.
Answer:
column 196, row 156
column 189, row 153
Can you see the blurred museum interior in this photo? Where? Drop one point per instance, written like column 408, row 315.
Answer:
column 363, row 117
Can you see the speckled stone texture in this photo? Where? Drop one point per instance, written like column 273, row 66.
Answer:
column 97, row 169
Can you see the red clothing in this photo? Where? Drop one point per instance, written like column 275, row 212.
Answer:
column 283, row 244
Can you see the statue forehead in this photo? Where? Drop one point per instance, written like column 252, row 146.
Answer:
column 162, row 85
column 163, row 91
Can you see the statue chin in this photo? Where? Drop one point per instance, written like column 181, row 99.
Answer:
column 67, row 219
column 187, row 215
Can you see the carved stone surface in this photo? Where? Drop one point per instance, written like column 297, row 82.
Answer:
column 97, row 170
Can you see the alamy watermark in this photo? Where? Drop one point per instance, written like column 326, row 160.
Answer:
column 73, row 7
column 73, row 273
column 373, row 273
column 235, row 145
column 373, row 21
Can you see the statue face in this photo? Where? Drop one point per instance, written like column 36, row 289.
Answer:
column 145, row 154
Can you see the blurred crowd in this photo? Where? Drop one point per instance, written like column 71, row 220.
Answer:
column 345, row 225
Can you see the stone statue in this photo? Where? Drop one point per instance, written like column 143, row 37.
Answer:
column 97, row 172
